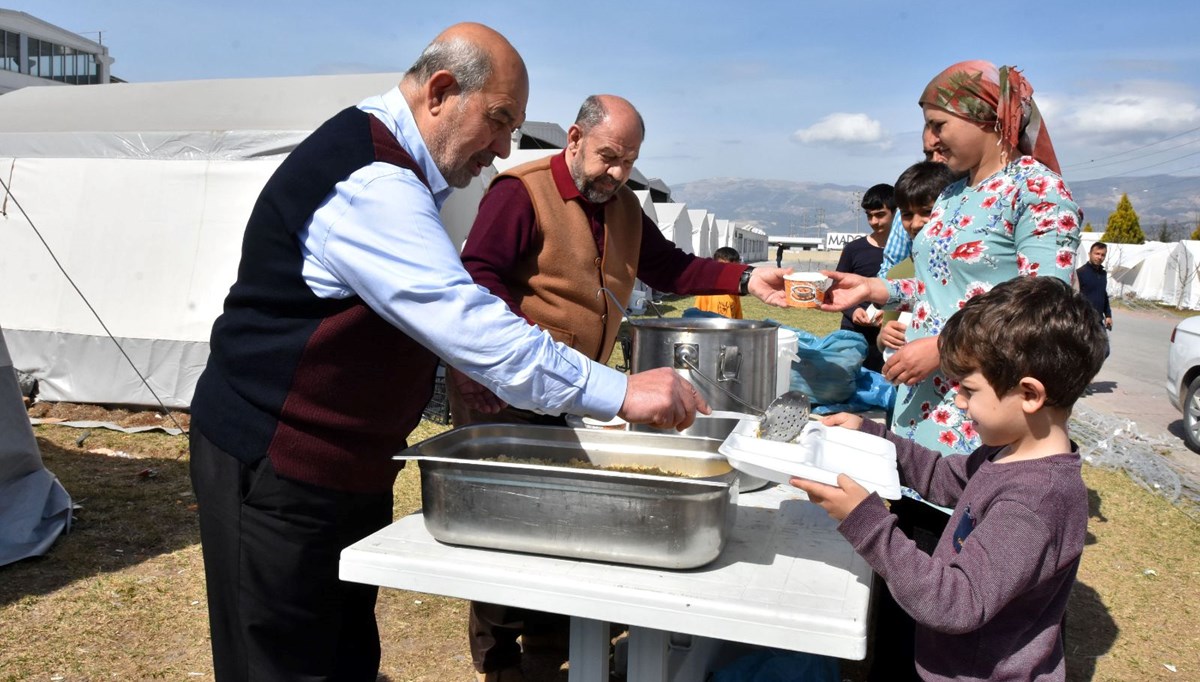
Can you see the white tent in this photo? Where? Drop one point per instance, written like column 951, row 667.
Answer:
column 723, row 230
column 1123, row 263
column 714, row 236
column 34, row 507
column 1166, row 275
column 1086, row 239
column 642, row 291
column 643, row 196
column 142, row 192
column 675, row 224
column 701, row 228
column 520, row 156
column 1161, row 272
column 458, row 213
column 1183, row 277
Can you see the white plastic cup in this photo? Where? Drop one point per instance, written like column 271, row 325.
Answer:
column 805, row 289
column 905, row 318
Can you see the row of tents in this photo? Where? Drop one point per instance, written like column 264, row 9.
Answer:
column 1167, row 273
column 140, row 193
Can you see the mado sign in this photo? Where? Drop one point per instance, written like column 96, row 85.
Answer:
column 834, row 241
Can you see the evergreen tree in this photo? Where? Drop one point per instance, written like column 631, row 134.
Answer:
column 1196, row 232
column 1123, row 226
column 1087, row 227
column 1164, row 233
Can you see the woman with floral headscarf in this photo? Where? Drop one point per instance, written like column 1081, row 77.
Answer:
column 1011, row 215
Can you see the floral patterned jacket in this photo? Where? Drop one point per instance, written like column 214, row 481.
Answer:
column 1019, row 221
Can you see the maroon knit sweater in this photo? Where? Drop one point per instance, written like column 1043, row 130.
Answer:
column 989, row 602
column 506, row 232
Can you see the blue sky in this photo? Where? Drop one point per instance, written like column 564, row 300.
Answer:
column 822, row 92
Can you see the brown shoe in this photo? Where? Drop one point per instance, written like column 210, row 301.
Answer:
column 504, row 675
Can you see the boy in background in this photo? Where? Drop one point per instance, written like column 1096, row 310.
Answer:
column 989, row 602
column 862, row 256
column 916, row 191
column 723, row 304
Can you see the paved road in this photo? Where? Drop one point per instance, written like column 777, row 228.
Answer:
column 1131, row 385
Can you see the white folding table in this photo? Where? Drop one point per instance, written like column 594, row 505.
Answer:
column 785, row 579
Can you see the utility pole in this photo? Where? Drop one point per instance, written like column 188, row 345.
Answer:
column 855, row 208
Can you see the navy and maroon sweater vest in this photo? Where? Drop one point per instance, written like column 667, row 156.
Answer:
column 326, row 388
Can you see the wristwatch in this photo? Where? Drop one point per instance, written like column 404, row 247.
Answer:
column 744, row 283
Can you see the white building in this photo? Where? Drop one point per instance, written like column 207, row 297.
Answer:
column 33, row 52
column 750, row 242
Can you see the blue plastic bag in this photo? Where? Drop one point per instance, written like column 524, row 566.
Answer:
column 696, row 312
column 828, row 366
column 871, row 391
column 775, row 665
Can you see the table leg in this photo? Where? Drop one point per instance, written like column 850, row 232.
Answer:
column 647, row 654
column 589, row 650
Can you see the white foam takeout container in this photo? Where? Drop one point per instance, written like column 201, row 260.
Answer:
column 819, row 453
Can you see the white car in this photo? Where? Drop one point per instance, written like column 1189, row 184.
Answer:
column 1183, row 377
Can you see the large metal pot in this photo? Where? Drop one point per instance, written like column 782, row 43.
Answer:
column 731, row 362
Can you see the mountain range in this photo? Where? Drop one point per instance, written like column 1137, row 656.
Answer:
column 808, row 209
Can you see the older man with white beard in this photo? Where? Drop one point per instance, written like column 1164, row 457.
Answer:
column 549, row 234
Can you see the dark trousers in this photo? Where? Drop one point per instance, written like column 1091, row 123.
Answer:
column 493, row 629
column 277, row 610
column 893, row 657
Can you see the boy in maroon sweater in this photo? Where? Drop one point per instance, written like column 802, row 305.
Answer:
column 989, row 602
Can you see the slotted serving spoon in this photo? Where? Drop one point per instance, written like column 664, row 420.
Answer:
column 783, row 419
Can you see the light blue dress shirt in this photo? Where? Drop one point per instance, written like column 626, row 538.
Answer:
column 379, row 235
column 897, row 248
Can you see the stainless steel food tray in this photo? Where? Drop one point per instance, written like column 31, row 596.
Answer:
column 630, row 518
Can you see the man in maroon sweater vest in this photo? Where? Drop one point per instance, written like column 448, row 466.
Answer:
column 989, row 603
column 549, row 234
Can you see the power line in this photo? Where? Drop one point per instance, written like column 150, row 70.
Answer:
column 1162, row 163
column 1135, row 149
column 1145, row 156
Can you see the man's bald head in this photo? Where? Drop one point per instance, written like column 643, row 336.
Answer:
column 598, row 109
column 602, row 145
column 467, row 93
column 472, row 53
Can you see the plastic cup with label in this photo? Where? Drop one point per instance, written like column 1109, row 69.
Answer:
column 805, row 289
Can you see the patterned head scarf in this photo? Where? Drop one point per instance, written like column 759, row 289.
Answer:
column 978, row 91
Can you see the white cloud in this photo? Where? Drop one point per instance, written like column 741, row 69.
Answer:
column 841, row 129
column 1136, row 109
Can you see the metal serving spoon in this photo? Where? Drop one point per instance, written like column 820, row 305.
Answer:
column 785, row 417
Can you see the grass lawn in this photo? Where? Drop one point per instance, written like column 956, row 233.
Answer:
column 122, row 596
